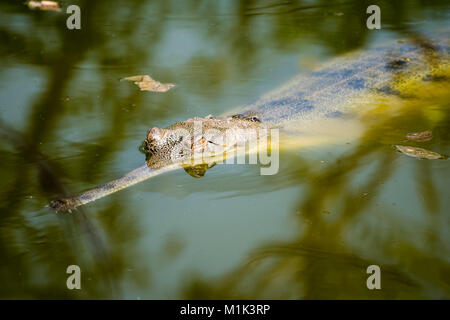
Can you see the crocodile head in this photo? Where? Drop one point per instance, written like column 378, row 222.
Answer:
column 182, row 141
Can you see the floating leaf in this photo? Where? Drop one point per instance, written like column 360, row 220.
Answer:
column 44, row 5
column 419, row 153
column 420, row 136
column 145, row 82
column 135, row 78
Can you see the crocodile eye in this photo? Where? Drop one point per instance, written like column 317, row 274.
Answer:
column 148, row 147
column 255, row 119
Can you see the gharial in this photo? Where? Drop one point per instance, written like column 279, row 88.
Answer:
column 329, row 92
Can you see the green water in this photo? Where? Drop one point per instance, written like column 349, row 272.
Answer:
column 68, row 124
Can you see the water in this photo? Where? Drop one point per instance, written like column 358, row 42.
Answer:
column 310, row 231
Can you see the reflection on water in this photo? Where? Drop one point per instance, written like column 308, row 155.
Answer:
column 353, row 214
column 310, row 231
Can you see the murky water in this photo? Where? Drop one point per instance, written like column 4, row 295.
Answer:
column 335, row 207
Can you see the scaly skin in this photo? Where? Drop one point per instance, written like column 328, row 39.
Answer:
column 178, row 142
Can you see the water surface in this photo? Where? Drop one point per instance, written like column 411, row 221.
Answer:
column 68, row 124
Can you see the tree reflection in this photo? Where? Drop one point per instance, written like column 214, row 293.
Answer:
column 329, row 257
column 36, row 247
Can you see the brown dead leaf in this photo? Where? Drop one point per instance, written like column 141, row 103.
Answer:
column 420, row 136
column 146, row 83
column 135, row 78
column 419, row 153
column 44, row 5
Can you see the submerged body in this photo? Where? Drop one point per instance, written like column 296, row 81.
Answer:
column 337, row 88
